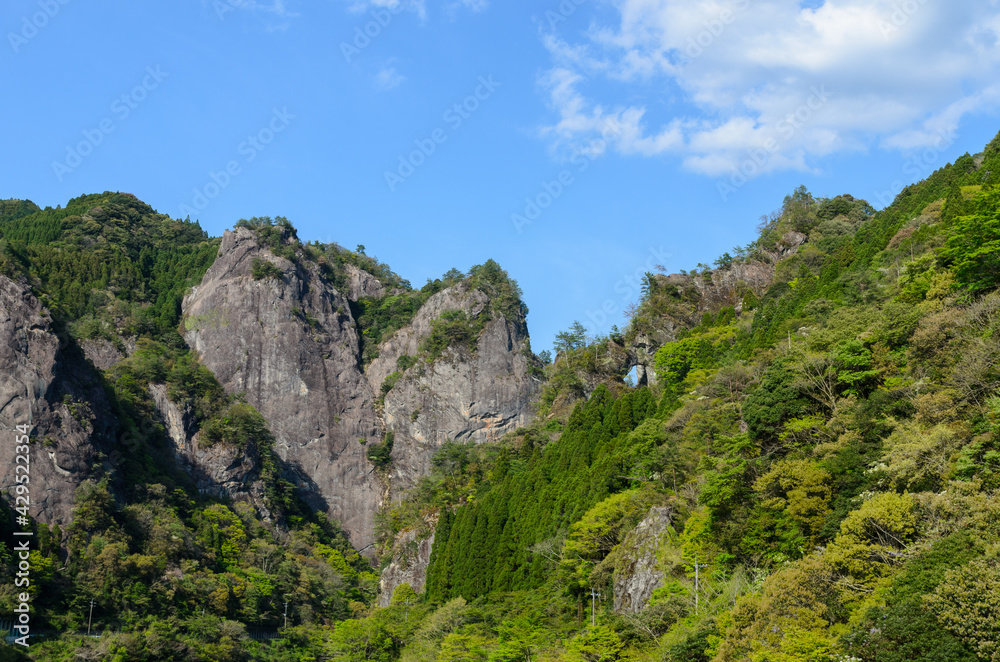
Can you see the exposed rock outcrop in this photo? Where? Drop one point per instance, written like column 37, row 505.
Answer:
column 290, row 345
column 219, row 470
column 636, row 573
column 102, row 353
column 411, row 555
column 361, row 284
column 49, row 387
column 464, row 396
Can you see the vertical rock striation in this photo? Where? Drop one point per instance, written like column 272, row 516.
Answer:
column 50, row 388
column 290, row 345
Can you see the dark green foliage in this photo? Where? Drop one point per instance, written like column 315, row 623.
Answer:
column 110, row 257
column 773, row 403
column 454, row 328
column 692, row 649
column 506, row 298
column 262, row 269
column 380, row 454
column 855, row 370
column 378, row 319
column 906, row 630
column 277, row 234
column 973, row 249
column 389, row 383
column 11, row 210
column 539, row 494
column 405, row 362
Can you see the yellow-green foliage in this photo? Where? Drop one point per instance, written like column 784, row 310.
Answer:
column 799, row 488
column 873, row 539
column 224, row 531
column 598, row 644
column 335, row 558
column 601, row 528
column 967, row 603
column 918, row 458
column 798, row 601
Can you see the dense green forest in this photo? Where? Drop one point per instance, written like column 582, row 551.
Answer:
column 820, row 445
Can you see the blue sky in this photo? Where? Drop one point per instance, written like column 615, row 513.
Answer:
column 630, row 133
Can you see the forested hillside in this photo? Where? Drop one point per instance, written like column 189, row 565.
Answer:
column 809, row 472
column 806, row 472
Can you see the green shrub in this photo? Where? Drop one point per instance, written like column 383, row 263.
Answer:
column 261, row 269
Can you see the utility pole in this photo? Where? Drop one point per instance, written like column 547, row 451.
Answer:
column 593, row 606
column 697, row 582
column 286, row 614
column 90, row 619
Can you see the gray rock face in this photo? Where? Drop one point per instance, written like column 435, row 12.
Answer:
column 291, row 345
column 476, row 398
column 219, row 470
column 636, row 574
column 102, row 353
column 411, row 554
column 51, row 389
column 361, row 284
column 463, row 396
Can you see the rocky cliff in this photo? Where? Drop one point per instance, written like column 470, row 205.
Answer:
column 288, row 341
column 637, row 573
column 476, row 394
column 219, row 470
column 48, row 386
column 410, row 557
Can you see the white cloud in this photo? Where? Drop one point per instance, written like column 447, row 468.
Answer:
column 798, row 83
column 388, row 78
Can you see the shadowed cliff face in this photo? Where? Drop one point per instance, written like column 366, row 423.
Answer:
column 291, row 345
column 54, row 391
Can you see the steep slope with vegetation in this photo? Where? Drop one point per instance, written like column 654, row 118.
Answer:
column 809, row 471
column 160, row 492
